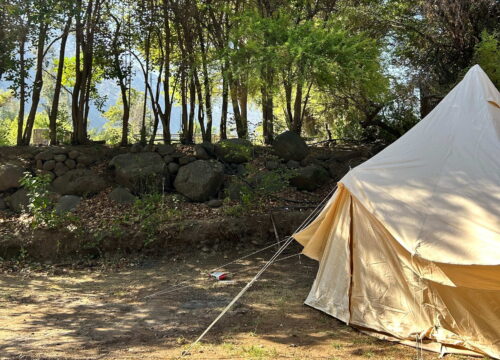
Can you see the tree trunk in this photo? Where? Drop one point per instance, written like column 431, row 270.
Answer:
column 184, row 114
column 233, row 91
column 146, row 86
column 57, row 90
column 208, row 88
column 22, row 90
column 38, row 83
column 297, row 109
column 267, row 107
column 243, row 101
column 267, row 116
column 166, row 81
column 192, row 107
column 201, row 111
column 126, row 112
column 225, row 100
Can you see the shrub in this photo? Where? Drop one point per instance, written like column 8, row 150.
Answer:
column 41, row 205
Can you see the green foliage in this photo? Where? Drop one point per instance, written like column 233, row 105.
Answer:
column 152, row 211
column 41, row 205
column 487, row 55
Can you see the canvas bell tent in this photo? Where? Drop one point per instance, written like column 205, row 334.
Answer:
column 409, row 244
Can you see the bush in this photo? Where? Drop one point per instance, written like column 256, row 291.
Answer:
column 41, row 205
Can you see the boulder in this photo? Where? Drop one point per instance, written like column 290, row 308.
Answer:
column 45, row 155
column 200, row 153
column 272, row 164
column 3, row 205
column 50, row 174
column 292, row 164
column 215, row 203
column 39, row 164
column 168, row 159
column 290, row 146
column 79, row 182
column 19, row 201
column 86, row 159
column 70, row 163
column 60, row 157
column 140, row 172
column 235, row 151
column 200, row 180
column 60, row 169
column 67, row 203
column 337, row 170
column 73, row 154
column 209, row 148
column 122, row 196
column 309, row 178
column 173, row 168
column 10, row 175
column 235, row 190
column 186, row 160
column 165, row 149
column 136, row 148
column 49, row 165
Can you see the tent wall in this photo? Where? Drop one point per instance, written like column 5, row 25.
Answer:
column 368, row 279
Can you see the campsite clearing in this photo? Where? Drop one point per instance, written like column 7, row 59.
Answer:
column 101, row 312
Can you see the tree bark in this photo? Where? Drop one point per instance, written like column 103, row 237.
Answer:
column 22, row 90
column 38, row 83
column 225, row 101
column 58, row 86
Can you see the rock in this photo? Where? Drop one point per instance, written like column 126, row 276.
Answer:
column 136, row 148
column 10, row 175
column 149, row 148
column 45, row 155
column 39, row 164
column 290, row 146
column 346, row 155
column 60, row 157
column 215, row 203
column 86, row 160
column 49, row 165
column 80, row 166
column 81, row 182
column 173, row 168
column 122, row 196
column 19, row 201
column 60, row 169
column 234, row 150
column 177, row 155
column 165, row 149
column 67, row 203
column 168, row 159
column 73, row 154
column 186, row 160
column 70, row 163
column 292, row 164
column 200, row 179
column 200, row 153
column 3, row 206
column 310, row 178
column 140, row 172
column 235, row 190
column 50, row 174
column 209, row 148
column 272, row 165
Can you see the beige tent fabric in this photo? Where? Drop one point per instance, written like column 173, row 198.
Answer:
column 367, row 279
column 437, row 189
column 409, row 245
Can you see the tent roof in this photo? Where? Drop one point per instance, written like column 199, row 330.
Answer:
column 437, row 188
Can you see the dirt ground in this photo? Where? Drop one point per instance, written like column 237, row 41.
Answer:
column 136, row 312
